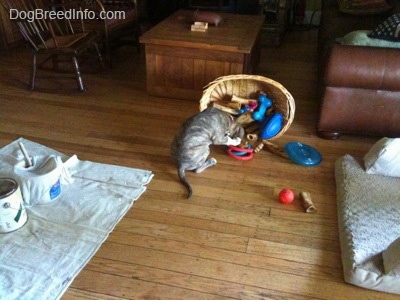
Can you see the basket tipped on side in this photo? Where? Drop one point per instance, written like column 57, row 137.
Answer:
column 226, row 90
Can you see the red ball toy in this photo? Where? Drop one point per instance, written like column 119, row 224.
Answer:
column 286, row 196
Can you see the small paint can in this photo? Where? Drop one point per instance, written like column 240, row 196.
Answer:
column 12, row 210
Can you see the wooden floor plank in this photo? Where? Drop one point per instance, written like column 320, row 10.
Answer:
column 191, row 282
column 231, row 272
column 186, row 234
column 131, row 287
column 249, row 259
column 296, row 253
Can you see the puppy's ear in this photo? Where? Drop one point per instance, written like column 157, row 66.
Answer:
column 241, row 131
column 237, row 131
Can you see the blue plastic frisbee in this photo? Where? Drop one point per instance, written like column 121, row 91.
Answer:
column 303, row 154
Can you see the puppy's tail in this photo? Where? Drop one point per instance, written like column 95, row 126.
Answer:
column 182, row 178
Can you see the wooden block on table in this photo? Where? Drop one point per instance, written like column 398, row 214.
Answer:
column 199, row 26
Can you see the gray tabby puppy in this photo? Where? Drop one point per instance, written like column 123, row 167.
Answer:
column 191, row 145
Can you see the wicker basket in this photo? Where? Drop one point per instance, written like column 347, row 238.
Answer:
column 249, row 86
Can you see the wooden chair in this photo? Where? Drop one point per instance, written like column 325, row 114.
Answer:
column 117, row 20
column 52, row 38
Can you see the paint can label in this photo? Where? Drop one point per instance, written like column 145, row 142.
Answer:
column 12, row 211
column 55, row 190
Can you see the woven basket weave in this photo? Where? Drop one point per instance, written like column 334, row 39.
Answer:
column 249, row 86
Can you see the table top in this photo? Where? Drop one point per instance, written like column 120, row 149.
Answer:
column 235, row 33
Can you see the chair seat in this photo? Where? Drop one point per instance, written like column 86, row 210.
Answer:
column 73, row 43
column 63, row 41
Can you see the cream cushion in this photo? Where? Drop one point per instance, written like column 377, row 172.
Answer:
column 384, row 158
column 368, row 221
column 361, row 38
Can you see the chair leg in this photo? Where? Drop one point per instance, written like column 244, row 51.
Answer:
column 96, row 46
column 78, row 73
column 33, row 75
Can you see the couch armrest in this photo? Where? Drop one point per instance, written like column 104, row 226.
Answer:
column 362, row 67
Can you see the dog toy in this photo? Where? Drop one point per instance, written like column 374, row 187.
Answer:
column 253, row 105
column 247, row 105
column 303, row 154
column 243, row 110
column 240, row 153
column 286, row 196
column 271, row 126
column 225, row 108
column 258, row 146
column 243, row 101
column 307, row 202
column 252, row 137
column 263, row 104
column 245, row 118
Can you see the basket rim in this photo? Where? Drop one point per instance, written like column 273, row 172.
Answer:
column 209, row 88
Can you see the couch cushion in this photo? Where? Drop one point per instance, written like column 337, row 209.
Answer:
column 384, row 158
column 388, row 29
column 364, row 7
column 361, row 38
column 370, row 68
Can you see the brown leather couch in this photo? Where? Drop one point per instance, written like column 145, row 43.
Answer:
column 359, row 86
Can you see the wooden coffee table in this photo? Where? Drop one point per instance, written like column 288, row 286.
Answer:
column 180, row 62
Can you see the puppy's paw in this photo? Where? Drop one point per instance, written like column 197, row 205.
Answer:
column 234, row 142
column 212, row 161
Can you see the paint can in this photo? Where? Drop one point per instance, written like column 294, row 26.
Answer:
column 12, row 210
column 41, row 182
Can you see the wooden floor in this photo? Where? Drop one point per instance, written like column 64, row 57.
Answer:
column 233, row 239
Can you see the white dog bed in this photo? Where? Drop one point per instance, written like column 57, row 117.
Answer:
column 369, row 222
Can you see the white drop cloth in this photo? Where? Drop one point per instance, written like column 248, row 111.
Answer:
column 41, row 259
